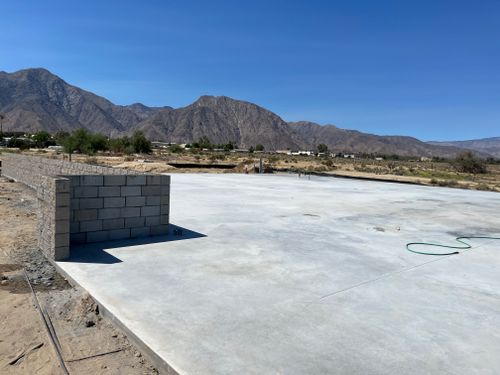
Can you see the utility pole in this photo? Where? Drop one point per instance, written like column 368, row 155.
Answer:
column 2, row 116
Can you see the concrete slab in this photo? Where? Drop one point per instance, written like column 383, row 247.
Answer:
column 281, row 275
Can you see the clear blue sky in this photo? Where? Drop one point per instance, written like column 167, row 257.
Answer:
column 429, row 69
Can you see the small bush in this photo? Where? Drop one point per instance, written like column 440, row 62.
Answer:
column 467, row 162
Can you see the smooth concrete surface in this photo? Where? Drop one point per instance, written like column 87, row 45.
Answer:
column 281, row 275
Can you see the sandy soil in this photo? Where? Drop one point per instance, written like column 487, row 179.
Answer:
column 89, row 343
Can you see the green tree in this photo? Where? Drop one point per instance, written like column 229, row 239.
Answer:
column 228, row 146
column 98, row 142
column 259, row 147
column 42, row 139
column 60, row 136
column 204, row 142
column 467, row 162
column 80, row 141
column 140, row 143
column 322, row 148
column 121, row 146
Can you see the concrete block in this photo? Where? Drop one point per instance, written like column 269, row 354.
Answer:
column 165, row 209
column 98, row 236
column 62, row 226
column 62, row 213
column 152, row 220
column 62, row 185
column 127, row 191
column 130, row 212
column 153, row 201
column 90, row 226
column 61, row 239
column 158, row 230
column 136, row 180
column 115, row 180
column 109, row 191
column 114, row 202
column 151, row 190
column 61, row 252
column 74, row 227
column 165, row 199
column 165, row 179
column 110, row 224
column 74, row 181
column 109, row 213
column 75, row 203
column 119, row 234
column 85, row 192
column 136, row 201
column 91, row 180
column 85, row 215
column 91, row 203
column 139, row 232
column 164, row 219
column 62, row 199
column 153, row 180
column 150, row 211
column 131, row 222
column 165, row 189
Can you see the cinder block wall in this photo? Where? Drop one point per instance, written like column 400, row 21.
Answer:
column 53, row 195
column 80, row 203
column 116, row 207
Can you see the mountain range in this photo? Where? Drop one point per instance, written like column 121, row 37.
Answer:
column 489, row 146
column 35, row 99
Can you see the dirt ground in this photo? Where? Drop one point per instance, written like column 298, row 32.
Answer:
column 417, row 172
column 89, row 343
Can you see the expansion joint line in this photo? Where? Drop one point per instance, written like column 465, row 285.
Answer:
column 464, row 248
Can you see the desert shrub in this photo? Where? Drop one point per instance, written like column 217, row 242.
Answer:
column 328, row 163
column 176, row 149
column 19, row 143
column 467, row 162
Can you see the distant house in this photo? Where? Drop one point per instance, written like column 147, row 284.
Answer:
column 161, row 144
column 302, row 153
column 342, row 155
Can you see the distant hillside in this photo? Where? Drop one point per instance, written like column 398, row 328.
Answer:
column 142, row 111
column 342, row 140
column 222, row 120
column 487, row 145
column 35, row 99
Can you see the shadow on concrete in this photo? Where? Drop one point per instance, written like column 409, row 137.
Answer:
column 96, row 252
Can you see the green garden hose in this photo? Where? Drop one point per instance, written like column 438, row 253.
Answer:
column 464, row 246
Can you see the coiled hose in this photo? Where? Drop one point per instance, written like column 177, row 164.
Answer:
column 464, row 246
